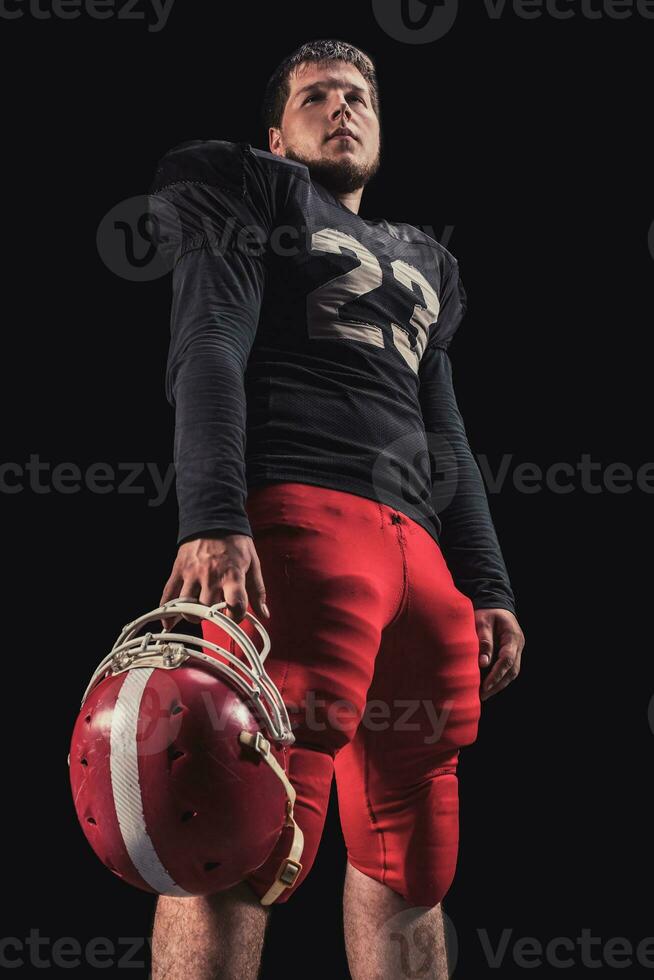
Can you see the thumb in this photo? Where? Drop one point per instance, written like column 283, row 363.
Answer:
column 485, row 634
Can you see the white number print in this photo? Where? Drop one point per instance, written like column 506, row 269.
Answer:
column 324, row 302
column 422, row 318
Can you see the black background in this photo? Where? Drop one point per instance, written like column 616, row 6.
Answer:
column 530, row 139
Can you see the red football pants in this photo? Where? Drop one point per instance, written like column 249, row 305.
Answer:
column 375, row 653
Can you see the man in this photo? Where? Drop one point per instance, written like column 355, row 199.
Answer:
column 309, row 372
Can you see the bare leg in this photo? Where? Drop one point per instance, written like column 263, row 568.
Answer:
column 218, row 937
column 385, row 939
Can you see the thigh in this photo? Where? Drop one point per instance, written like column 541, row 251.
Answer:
column 423, row 701
column 397, row 782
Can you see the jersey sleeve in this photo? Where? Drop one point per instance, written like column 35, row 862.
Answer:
column 211, row 210
column 453, row 304
column 468, row 538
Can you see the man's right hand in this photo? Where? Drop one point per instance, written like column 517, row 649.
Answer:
column 215, row 569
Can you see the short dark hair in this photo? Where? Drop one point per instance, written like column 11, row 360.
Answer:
column 318, row 52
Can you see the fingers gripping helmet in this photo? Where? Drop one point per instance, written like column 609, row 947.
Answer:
column 177, row 760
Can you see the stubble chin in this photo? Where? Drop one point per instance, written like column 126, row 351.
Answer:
column 340, row 175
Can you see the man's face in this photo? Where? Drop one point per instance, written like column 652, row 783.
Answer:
column 322, row 101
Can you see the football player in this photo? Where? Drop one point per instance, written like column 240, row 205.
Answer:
column 325, row 483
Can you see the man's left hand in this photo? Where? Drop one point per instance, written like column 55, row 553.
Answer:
column 500, row 634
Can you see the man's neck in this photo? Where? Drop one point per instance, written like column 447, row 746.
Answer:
column 351, row 200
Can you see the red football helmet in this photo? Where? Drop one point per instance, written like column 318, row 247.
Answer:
column 177, row 760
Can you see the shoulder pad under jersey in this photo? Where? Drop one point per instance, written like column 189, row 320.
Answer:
column 214, row 162
column 221, row 163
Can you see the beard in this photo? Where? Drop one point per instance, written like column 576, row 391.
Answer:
column 338, row 176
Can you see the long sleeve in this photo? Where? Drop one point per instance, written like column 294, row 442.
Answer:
column 468, row 538
column 216, row 303
column 200, row 201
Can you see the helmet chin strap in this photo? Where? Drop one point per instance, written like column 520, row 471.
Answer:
column 168, row 651
column 290, row 867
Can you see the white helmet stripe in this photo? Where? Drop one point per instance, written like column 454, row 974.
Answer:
column 126, row 787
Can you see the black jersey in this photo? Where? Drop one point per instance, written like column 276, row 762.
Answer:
column 309, row 344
